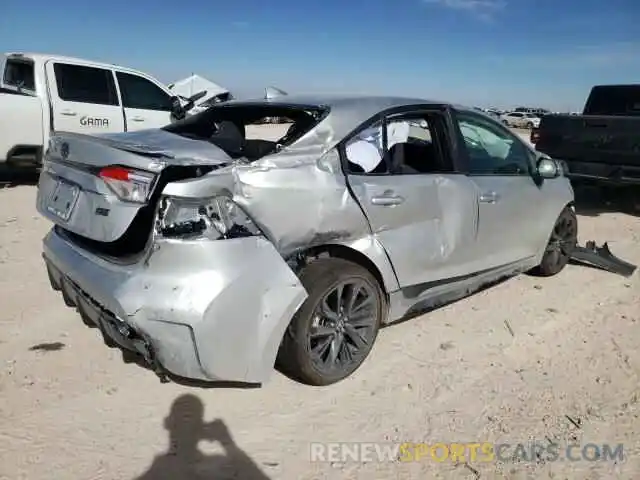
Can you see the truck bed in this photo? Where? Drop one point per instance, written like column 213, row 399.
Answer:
column 594, row 146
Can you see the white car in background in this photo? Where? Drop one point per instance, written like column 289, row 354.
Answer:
column 521, row 120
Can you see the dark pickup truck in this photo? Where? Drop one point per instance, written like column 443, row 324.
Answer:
column 603, row 144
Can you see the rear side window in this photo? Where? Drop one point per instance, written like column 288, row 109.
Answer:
column 413, row 145
column 82, row 84
column 614, row 100
column 138, row 92
column 19, row 74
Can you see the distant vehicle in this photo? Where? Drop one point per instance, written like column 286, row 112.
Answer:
column 601, row 145
column 487, row 111
column 537, row 111
column 520, row 120
column 215, row 256
column 44, row 93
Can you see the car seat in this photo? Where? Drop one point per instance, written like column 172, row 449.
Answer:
column 413, row 157
column 229, row 138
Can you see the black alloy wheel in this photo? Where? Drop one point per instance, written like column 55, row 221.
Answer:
column 336, row 327
column 562, row 242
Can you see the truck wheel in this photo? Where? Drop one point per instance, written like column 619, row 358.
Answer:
column 563, row 240
column 335, row 328
column 529, row 126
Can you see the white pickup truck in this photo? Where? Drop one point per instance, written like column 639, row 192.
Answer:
column 42, row 93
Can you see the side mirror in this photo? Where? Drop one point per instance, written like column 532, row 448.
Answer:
column 548, row 168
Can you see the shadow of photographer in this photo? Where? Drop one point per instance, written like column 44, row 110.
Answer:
column 185, row 461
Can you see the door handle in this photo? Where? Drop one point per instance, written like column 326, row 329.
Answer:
column 489, row 197
column 137, row 119
column 68, row 113
column 387, row 200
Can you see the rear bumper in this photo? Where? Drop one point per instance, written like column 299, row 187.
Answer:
column 603, row 172
column 212, row 311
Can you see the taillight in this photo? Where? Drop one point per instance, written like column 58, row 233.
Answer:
column 128, row 184
column 212, row 218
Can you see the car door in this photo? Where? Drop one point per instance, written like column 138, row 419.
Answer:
column 146, row 104
column 514, row 210
column 422, row 213
column 83, row 98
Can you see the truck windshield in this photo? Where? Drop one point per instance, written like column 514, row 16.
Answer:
column 19, row 74
column 622, row 100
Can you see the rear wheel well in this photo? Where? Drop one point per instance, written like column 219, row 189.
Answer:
column 345, row 253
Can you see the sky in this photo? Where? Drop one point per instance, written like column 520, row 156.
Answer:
column 503, row 53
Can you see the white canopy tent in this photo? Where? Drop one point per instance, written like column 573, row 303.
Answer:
column 187, row 87
column 195, row 83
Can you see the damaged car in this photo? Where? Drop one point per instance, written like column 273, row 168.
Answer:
column 215, row 255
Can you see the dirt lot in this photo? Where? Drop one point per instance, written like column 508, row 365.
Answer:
column 549, row 360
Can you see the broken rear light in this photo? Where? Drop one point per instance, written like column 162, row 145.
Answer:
column 211, row 218
column 128, row 184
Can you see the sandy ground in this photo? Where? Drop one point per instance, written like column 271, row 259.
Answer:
column 551, row 360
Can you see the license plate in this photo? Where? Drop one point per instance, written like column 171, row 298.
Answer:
column 63, row 199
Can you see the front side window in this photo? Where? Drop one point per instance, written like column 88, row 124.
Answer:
column 140, row 93
column 78, row 83
column 492, row 150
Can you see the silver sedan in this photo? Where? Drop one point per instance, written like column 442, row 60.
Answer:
column 213, row 255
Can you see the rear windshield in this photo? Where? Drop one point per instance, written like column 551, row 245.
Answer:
column 19, row 74
column 250, row 130
column 620, row 100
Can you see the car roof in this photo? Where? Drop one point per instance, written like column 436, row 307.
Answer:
column 347, row 111
column 367, row 105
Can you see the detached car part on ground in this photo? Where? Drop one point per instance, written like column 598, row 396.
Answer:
column 215, row 256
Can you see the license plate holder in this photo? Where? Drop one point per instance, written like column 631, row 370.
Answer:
column 63, row 199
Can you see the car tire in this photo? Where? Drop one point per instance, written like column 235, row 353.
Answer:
column 304, row 354
column 529, row 126
column 562, row 242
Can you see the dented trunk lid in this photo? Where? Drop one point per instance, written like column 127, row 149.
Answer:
column 72, row 194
